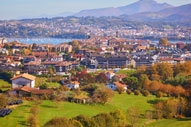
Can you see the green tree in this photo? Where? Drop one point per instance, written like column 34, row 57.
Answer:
column 59, row 122
column 131, row 81
column 85, row 121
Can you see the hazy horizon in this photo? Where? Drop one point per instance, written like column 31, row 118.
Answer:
column 15, row 9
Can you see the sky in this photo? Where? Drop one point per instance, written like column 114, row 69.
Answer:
column 14, row 9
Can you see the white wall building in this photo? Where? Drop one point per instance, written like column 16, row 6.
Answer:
column 23, row 80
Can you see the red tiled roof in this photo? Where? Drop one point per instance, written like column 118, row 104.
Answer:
column 25, row 75
column 32, row 90
column 120, row 84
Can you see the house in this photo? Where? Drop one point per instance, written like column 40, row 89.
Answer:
column 114, row 85
column 23, row 80
column 120, row 76
column 109, row 74
column 73, row 84
column 62, row 68
column 28, row 91
column 113, row 61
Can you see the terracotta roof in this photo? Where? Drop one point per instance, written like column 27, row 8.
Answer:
column 120, row 84
column 110, row 72
column 32, row 90
column 75, row 82
column 25, row 75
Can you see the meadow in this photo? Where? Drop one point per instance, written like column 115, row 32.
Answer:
column 49, row 109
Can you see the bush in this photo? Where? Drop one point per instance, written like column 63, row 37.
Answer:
column 159, row 94
column 59, row 122
column 102, row 95
column 120, row 90
column 3, row 101
column 137, row 92
column 34, row 110
column 44, row 86
column 128, row 91
column 104, row 120
column 85, row 121
column 145, row 93
column 32, row 121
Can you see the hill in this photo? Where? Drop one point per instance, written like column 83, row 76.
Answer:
column 175, row 14
column 137, row 7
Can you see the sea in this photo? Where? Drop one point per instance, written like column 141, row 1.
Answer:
column 39, row 40
column 61, row 40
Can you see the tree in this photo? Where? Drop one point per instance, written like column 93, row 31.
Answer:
column 165, row 70
column 145, row 93
column 131, row 81
column 3, row 101
column 101, row 78
column 118, row 116
column 141, row 69
column 85, row 121
column 104, row 120
column 59, row 122
column 143, row 78
column 75, row 45
column 44, row 86
column 120, row 90
column 102, row 95
column 34, row 110
column 32, row 121
column 133, row 115
column 163, row 41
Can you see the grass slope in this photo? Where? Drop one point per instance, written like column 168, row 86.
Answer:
column 4, row 85
column 49, row 110
column 186, row 122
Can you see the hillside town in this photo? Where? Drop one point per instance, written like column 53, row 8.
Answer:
column 76, row 27
column 94, row 53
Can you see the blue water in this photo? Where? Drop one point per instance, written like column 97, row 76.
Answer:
column 39, row 40
column 58, row 41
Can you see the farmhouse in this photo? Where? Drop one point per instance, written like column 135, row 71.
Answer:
column 73, row 84
column 23, row 80
column 115, row 85
column 109, row 74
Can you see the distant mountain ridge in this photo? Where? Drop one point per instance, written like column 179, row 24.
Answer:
column 137, row 7
column 175, row 14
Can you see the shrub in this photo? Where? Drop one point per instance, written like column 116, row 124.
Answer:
column 34, row 110
column 159, row 94
column 59, row 122
column 145, row 93
column 32, row 121
column 44, row 86
column 120, row 90
column 85, row 121
column 104, row 120
column 3, row 101
column 128, row 91
column 102, row 95
column 137, row 92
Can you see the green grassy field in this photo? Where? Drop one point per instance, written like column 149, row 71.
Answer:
column 186, row 122
column 4, row 85
column 126, row 72
column 49, row 110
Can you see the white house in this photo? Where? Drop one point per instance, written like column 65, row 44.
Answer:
column 109, row 74
column 114, row 85
column 73, row 84
column 23, row 80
